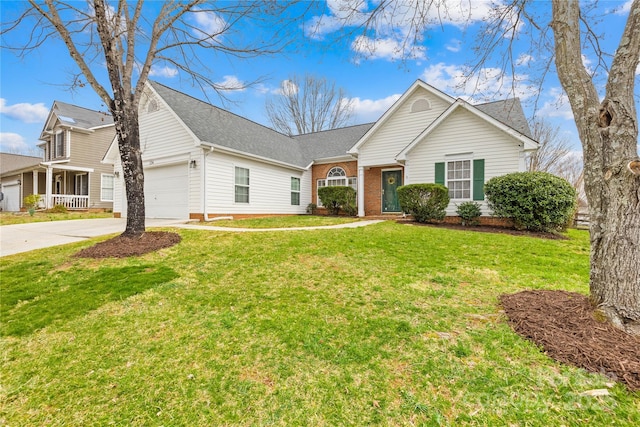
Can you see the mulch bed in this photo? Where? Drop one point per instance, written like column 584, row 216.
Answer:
column 123, row 247
column 565, row 326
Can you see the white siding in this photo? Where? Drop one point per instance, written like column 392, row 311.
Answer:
column 461, row 133
column 269, row 187
column 399, row 130
column 164, row 141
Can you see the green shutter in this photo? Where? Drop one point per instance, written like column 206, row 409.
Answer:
column 478, row 179
column 440, row 173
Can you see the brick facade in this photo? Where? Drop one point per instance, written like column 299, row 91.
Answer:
column 321, row 171
column 373, row 191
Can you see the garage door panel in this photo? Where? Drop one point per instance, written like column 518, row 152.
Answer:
column 166, row 191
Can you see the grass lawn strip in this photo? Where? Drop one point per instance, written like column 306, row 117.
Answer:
column 387, row 324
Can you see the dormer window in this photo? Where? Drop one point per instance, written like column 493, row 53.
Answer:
column 421, row 104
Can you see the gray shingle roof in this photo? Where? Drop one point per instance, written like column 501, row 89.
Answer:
column 217, row 126
column 508, row 112
column 331, row 143
column 12, row 162
column 73, row 115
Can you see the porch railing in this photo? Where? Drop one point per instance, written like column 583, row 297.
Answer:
column 70, row 201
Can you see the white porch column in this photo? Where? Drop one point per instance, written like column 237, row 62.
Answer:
column 47, row 195
column 360, row 191
column 35, row 182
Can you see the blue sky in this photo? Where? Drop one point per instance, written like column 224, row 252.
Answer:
column 30, row 85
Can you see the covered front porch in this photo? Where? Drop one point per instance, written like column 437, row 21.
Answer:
column 64, row 185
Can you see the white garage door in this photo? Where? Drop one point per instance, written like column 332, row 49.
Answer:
column 11, row 201
column 166, row 191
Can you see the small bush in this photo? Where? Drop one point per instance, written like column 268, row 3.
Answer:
column 58, row 209
column 536, row 201
column 469, row 212
column 31, row 203
column 426, row 202
column 339, row 197
column 312, row 208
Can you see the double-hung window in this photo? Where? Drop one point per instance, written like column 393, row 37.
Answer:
column 59, row 144
column 295, row 191
column 242, row 185
column 459, row 179
column 106, row 188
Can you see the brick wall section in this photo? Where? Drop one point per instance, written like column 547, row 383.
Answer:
column 373, row 191
column 321, row 171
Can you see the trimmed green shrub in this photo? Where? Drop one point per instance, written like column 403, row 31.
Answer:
column 537, row 201
column 31, row 203
column 312, row 208
column 338, row 197
column 426, row 202
column 469, row 212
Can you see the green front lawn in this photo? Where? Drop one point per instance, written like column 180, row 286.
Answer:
column 283, row 221
column 9, row 218
column 388, row 324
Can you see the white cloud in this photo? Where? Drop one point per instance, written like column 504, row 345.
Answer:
column 208, row 23
column 454, row 45
column 369, row 110
column 488, row 84
column 557, row 106
column 165, row 71
column 524, row 60
column 624, row 9
column 231, row 83
column 386, row 49
column 13, row 143
column 396, row 29
column 25, row 112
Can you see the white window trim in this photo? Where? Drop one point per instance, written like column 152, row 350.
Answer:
column 342, row 181
column 296, row 191
column 75, row 183
column 113, row 185
column 248, row 186
column 470, row 179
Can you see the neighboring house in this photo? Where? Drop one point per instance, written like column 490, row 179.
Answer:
column 202, row 162
column 70, row 172
column 12, row 176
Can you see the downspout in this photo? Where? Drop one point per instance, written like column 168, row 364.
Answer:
column 204, row 181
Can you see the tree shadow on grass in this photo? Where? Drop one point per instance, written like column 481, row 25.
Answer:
column 29, row 305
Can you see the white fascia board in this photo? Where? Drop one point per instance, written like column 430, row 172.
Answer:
column 61, row 166
column 327, row 160
column 250, row 156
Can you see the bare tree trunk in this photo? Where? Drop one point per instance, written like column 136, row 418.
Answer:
column 127, row 130
column 608, row 131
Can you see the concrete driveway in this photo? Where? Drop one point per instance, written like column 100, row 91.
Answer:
column 37, row 235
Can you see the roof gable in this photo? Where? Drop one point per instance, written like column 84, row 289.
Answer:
column 528, row 143
column 73, row 116
column 417, row 85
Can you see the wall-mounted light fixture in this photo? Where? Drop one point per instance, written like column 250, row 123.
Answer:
column 116, row 174
column 192, row 164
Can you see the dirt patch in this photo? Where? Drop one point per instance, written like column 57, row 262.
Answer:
column 490, row 229
column 122, row 247
column 566, row 327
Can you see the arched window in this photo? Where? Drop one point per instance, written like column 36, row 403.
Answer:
column 337, row 177
column 421, row 104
